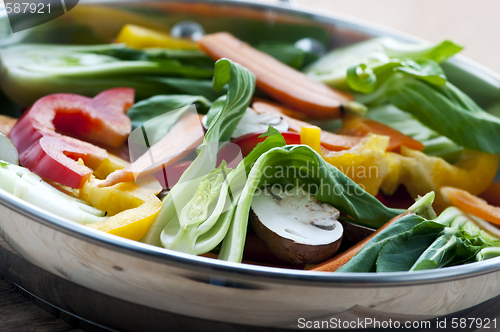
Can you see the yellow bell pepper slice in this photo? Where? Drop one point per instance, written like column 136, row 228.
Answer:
column 139, row 37
column 369, row 165
column 366, row 163
column 131, row 209
column 109, row 165
column 421, row 173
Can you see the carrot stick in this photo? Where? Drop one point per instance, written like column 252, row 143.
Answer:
column 492, row 194
column 329, row 140
column 283, row 83
column 184, row 136
column 336, row 262
column 471, row 204
column 358, row 126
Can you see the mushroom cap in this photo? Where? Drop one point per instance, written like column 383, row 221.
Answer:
column 295, row 226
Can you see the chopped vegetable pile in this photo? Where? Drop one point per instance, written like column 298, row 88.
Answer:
column 363, row 159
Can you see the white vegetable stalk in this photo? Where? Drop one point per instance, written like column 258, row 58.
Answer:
column 31, row 188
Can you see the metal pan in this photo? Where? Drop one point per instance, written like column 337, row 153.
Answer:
column 176, row 283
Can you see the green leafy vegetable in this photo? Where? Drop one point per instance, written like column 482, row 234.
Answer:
column 376, row 54
column 450, row 112
column 459, row 243
column 365, row 260
column 414, row 243
column 401, row 252
column 240, row 91
column 435, row 144
column 148, row 109
column 286, row 53
column 32, row 71
column 487, row 253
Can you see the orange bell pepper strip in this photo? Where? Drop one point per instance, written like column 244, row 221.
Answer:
column 471, row 204
column 355, row 125
column 329, row 140
column 140, row 37
column 184, row 136
column 55, row 156
column 285, row 84
column 6, row 124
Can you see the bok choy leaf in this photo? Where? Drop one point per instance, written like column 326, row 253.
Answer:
column 435, row 144
column 240, row 91
column 150, row 108
column 459, row 243
column 444, row 109
column 33, row 70
column 376, row 55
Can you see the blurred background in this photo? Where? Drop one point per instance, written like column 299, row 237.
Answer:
column 474, row 24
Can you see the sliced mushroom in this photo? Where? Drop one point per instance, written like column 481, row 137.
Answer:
column 8, row 151
column 253, row 122
column 355, row 233
column 295, row 226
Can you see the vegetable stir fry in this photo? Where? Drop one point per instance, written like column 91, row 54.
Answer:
column 363, row 159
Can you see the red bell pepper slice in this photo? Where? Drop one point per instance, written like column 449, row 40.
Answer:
column 55, row 156
column 249, row 141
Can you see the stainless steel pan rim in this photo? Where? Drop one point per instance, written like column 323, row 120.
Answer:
column 191, row 262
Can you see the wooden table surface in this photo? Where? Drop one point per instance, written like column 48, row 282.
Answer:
column 473, row 24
